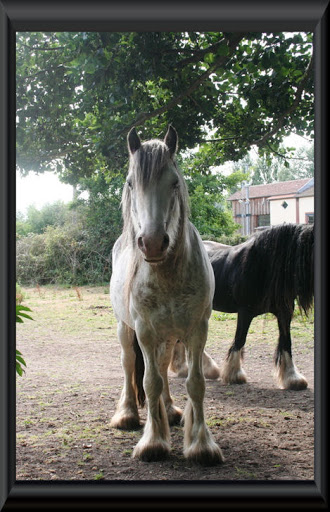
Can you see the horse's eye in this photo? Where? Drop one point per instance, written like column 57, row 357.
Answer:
column 129, row 183
column 175, row 184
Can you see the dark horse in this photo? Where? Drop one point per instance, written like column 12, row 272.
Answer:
column 265, row 274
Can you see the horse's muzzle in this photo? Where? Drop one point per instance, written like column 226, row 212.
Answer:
column 154, row 247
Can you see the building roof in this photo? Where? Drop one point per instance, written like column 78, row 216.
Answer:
column 281, row 188
column 308, row 192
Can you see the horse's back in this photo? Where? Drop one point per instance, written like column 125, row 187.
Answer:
column 261, row 273
column 223, row 261
column 233, row 286
column 212, row 247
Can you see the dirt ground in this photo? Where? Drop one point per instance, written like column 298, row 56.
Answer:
column 73, row 379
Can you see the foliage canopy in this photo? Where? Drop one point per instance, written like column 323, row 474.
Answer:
column 78, row 94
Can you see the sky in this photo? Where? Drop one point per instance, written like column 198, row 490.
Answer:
column 39, row 189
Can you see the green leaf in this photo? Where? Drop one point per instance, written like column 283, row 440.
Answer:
column 19, row 369
column 25, row 316
column 19, row 314
column 209, row 58
column 223, row 50
column 19, row 307
column 21, row 360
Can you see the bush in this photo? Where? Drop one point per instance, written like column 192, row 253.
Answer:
column 30, row 259
column 234, row 239
column 70, row 254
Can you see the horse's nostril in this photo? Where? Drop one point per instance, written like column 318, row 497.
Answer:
column 166, row 242
column 140, row 242
column 153, row 246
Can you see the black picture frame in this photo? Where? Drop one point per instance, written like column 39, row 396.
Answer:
column 129, row 15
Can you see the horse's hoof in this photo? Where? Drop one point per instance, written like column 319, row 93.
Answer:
column 234, row 378
column 210, row 368
column 232, row 371
column 205, row 455
column 297, row 384
column 174, row 415
column 212, row 373
column 125, row 422
column 151, row 452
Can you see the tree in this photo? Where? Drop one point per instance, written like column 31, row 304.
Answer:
column 36, row 220
column 300, row 166
column 207, row 191
column 272, row 168
column 79, row 93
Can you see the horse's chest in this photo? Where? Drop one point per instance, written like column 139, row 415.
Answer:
column 168, row 308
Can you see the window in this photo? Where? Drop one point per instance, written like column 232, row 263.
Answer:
column 264, row 220
column 309, row 218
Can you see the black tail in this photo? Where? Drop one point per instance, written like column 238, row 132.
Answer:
column 139, row 373
column 305, row 269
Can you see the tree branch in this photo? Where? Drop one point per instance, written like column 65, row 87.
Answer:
column 280, row 122
column 197, row 54
column 285, row 157
column 144, row 116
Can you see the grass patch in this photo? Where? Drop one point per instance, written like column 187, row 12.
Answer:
column 74, row 311
column 243, row 473
column 216, row 421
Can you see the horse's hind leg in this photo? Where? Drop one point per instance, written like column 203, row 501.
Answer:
column 178, row 363
column 232, row 371
column 287, row 374
column 199, row 445
column 174, row 414
column 126, row 416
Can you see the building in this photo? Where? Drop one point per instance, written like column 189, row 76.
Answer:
column 256, row 206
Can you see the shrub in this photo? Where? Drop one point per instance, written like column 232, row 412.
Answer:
column 234, row 239
column 30, row 259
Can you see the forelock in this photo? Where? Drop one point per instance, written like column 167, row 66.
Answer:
column 149, row 160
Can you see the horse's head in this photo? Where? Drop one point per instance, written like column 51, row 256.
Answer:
column 154, row 195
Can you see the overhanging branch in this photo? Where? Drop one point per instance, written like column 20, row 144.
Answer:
column 280, row 122
column 219, row 62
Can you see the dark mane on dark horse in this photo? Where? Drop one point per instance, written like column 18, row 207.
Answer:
column 266, row 274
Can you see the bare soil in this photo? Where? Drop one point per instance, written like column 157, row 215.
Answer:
column 73, row 379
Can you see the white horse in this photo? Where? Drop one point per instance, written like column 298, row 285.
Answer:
column 161, row 289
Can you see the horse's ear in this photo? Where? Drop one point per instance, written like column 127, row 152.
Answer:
column 171, row 140
column 133, row 141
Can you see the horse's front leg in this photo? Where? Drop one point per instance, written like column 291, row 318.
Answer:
column 232, row 371
column 155, row 442
column 199, row 445
column 286, row 372
column 126, row 416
